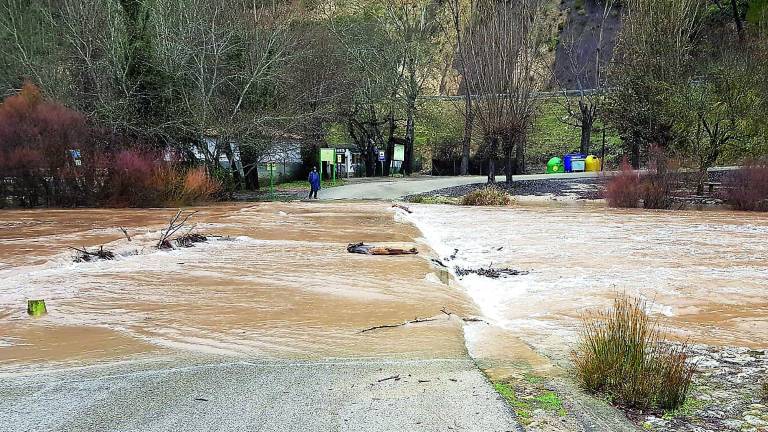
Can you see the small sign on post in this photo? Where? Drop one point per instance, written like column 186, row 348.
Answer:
column 328, row 155
column 271, row 167
column 382, row 158
column 76, row 157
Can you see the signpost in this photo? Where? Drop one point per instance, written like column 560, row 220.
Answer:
column 328, row 155
column 382, row 158
column 271, row 167
column 399, row 155
column 76, row 157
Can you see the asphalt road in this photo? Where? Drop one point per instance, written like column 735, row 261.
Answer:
column 226, row 395
column 391, row 189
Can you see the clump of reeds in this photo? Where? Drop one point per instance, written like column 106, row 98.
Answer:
column 490, row 195
column 622, row 353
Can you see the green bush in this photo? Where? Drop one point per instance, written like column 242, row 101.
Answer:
column 623, row 354
column 490, row 195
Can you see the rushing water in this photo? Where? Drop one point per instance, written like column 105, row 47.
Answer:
column 704, row 273
column 282, row 284
column 279, row 283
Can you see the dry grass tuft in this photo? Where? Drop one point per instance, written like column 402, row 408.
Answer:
column 623, row 354
column 490, row 195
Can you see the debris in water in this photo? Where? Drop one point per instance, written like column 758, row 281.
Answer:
column 490, row 272
column 393, row 377
column 364, row 249
column 385, row 326
column 402, row 207
column 85, row 255
column 189, row 240
column 125, row 233
column 175, row 224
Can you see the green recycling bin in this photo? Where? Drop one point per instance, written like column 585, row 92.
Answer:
column 555, row 166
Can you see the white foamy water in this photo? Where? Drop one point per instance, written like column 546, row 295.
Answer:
column 705, row 272
column 281, row 284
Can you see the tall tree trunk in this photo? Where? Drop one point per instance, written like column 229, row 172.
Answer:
column 508, row 147
column 370, row 163
column 390, row 150
column 492, row 147
column 737, row 20
column 634, row 159
column 469, row 120
column 509, row 163
column 586, row 134
column 252, row 177
column 520, row 155
column 409, row 133
column 492, row 170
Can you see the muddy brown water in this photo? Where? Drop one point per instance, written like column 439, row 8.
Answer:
column 704, row 274
column 281, row 284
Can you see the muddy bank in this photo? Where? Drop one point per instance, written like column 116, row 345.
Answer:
column 283, row 287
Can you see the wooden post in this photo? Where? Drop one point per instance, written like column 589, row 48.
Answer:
column 36, row 307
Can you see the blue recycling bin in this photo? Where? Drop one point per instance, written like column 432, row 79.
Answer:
column 570, row 158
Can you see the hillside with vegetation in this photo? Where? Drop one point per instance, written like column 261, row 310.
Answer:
column 466, row 86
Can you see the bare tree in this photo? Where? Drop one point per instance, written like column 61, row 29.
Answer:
column 225, row 59
column 459, row 23
column 414, row 29
column 503, row 50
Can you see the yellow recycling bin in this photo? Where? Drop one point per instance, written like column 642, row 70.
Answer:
column 592, row 163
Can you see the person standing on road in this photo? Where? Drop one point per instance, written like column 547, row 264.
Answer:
column 314, row 183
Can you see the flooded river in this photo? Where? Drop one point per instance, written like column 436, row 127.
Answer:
column 279, row 282
column 704, row 273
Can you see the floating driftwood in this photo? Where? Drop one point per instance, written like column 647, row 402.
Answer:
column 84, row 255
column 385, row 326
column 468, row 319
column 189, row 240
column 403, row 208
column 493, row 273
column 125, row 233
column 364, row 249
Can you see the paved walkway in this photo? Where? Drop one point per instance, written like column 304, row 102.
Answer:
column 394, row 188
column 270, row 396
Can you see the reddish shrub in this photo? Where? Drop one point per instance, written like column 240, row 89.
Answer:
column 199, row 186
column 747, row 188
column 131, row 179
column 35, row 139
column 623, row 189
column 37, row 167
